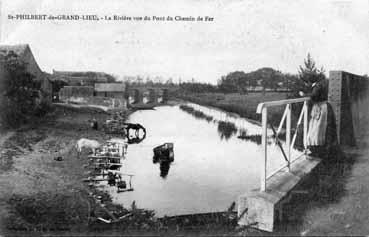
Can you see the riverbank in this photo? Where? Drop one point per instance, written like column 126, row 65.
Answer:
column 242, row 104
column 36, row 182
column 47, row 195
column 39, row 187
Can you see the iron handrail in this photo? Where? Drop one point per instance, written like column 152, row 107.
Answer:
column 263, row 110
column 280, row 102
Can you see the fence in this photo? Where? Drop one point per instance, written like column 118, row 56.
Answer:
column 286, row 119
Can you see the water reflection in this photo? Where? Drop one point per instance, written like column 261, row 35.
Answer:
column 253, row 137
column 209, row 173
column 164, row 166
column 136, row 133
column 226, row 130
column 196, row 113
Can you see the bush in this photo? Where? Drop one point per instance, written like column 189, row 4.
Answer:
column 20, row 93
column 42, row 108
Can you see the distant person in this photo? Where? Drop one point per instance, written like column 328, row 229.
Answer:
column 322, row 132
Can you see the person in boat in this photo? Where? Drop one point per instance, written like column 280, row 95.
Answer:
column 322, row 131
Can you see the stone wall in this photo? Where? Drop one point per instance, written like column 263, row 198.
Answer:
column 349, row 96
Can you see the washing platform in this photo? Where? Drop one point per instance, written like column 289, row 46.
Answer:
column 260, row 209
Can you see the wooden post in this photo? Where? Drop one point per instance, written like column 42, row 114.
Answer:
column 288, row 134
column 264, row 116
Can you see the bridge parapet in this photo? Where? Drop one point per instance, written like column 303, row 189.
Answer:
column 275, row 187
column 147, row 95
column 349, row 97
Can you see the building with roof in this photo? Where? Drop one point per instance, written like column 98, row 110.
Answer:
column 81, row 92
column 80, row 78
column 24, row 53
column 112, row 90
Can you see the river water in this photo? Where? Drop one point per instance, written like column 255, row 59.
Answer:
column 210, row 169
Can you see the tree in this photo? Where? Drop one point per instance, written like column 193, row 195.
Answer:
column 232, row 82
column 21, row 91
column 309, row 73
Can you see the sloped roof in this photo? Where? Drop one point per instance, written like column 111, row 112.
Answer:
column 110, row 87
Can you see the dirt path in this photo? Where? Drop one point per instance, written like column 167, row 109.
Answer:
column 349, row 215
column 27, row 159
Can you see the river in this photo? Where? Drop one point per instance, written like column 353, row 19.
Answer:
column 210, row 169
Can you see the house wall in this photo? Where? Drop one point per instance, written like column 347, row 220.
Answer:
column 68, row 93
column 110, row 94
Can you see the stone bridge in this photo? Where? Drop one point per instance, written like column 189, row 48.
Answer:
column 146, row 96
column 349, row 96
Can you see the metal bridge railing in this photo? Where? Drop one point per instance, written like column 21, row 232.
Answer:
column 263, row 110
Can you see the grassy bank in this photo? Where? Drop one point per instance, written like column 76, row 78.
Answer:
column 245, row 105
column 242, row 104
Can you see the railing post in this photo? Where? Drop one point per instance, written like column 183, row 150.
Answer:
column 264, row 116
column 305, row 108
column 262, row 109
column 288, row 134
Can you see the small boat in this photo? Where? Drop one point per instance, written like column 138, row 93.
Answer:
column 164, row 153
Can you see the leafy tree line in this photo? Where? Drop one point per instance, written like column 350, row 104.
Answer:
column 265, row 78
column 94, row 76
column 262, row 79
column 241, row 82
column 20, row 93
column 197, row 87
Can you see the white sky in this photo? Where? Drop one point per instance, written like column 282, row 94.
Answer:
column 245, row 35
